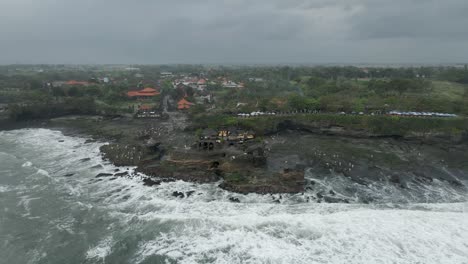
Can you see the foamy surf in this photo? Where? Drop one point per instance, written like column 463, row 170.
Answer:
column 83, row 220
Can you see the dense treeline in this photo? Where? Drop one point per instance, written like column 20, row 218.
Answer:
column 373, row 125
column 38, row 110
column 281, row 88
column 328, row 95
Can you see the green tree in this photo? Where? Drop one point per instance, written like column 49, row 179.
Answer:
column 75, row 91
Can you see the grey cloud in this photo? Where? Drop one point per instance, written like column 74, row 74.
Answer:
column 414, row 19
column 224, row 31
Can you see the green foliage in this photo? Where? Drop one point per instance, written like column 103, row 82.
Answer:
column 197, row 109
column 297, row 102
column 198, row 132
column 75, row 91
column 93, row 91
column 58, row 91
column 37, row 110
column 380, row 125
column 214, row 121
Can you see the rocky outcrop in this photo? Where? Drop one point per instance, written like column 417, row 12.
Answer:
column 187, row 170
column 289, row 181
column 328, row 128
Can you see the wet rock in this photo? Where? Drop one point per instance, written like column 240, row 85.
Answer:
column 178, row 194
column 168, row 180
column 423, row 179
column 329, row 199
column 395, row 179
column 99, row 166
column 116, row 170
column 234, row 200
column 456, row 183
column 100, row 175
column 121, row 174
column 149, row 182
column 331, row 192
column 189, row 193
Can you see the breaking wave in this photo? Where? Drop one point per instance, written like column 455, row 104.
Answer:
column 120, row 220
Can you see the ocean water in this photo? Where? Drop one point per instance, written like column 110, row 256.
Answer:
column 54, row 210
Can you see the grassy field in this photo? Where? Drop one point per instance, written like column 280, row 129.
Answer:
column 448, row 90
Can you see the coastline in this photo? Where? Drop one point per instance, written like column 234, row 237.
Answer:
column 165, row 154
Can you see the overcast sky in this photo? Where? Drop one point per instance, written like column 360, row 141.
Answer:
column 233, row 31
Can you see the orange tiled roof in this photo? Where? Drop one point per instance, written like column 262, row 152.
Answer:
column 145, row 92
column 73, row 82
column 148, row 90
column 183, row 104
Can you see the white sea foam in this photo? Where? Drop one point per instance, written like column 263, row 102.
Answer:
column 207, row 227
column 360, row 236
column 25, row 204
column 27, row 164
column 101, row 250
column 4, row 188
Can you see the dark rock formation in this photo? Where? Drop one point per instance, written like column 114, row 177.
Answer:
column 150, row 182
column 234, row 200
column 178, row 194
column 265, row 182
column 121, row 174
column 101, row 175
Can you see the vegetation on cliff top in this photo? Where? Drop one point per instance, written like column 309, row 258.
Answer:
column 377, row 125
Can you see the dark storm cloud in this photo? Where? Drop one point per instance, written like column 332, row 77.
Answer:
column 238, row 31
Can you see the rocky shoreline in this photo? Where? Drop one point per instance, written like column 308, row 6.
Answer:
column 164, row 152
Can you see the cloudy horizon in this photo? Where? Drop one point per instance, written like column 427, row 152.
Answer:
column 233, row 31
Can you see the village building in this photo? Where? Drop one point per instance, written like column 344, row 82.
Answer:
column 201, row 84
column 209, row 134
column 183, row 104
column 208, row 139
column 232, row 84
column 76, row 83
column 235, row 134
column 232, row 136
column 255, row 79
column 143, row 94
column 165, row 75
column 203, row 97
